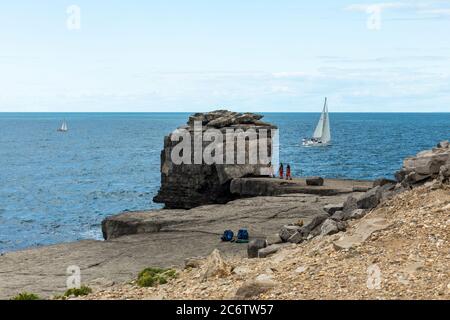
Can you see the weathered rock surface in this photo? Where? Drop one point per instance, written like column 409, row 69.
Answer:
column 314, row 181
column 215, row 266
column 332, row 208
column 412, row 255
column 331, row 226
column 297, row 234
column 253, row 187
column 161, row 238
column 363, row 230
column 383, row 181
column 253, row 288
column 269, row 250
column 254, row 246
column 188, row 185
column 426, row 165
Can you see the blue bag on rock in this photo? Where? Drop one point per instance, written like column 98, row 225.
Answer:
column 227, row 235
column 242, row 235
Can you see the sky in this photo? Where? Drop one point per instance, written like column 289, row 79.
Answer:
column 200, row 55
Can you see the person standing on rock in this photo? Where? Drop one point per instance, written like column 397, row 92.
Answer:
column 288, row 172
column 281, row 171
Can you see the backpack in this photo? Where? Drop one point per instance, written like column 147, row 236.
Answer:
column 242, row 235
column 227, row 235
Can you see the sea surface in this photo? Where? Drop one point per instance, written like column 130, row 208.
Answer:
column 57, row 187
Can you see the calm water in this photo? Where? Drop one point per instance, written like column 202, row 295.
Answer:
column 58, row 187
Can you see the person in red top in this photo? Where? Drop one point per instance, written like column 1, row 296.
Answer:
column 281, row 171
column 288, row 172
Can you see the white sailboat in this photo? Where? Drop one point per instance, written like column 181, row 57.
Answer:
column 63, row 127
column 322, row 134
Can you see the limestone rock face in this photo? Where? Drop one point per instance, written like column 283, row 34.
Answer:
column 197, row 182
column 426, row 165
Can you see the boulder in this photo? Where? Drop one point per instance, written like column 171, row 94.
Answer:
column 383, row 181
column 444, row 173
column 254, row 246
column 221, row 122
column 360, row 189
column 248, row 118
column 314, row 181
column 338, row 216
column 194, row 263
column 130, row 223
column 297, row 237
column 369, row 200
column 386, row 191
column 356, row 214
column 444, row 144
column 287, row 232
column 215, row 266
column 274, row 239
column 254, row 288
column 350, row 204
column 315, row 223
column 425, row 166
column 332, row 208
column 329, row 227
column 269, row 250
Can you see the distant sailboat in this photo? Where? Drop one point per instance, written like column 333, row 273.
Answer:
column 63, row 127
column 322, row 134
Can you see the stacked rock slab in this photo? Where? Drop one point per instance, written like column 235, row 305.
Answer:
column 426, row 165
column 188, row 185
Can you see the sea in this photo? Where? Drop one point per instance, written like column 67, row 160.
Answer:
column 58, row 187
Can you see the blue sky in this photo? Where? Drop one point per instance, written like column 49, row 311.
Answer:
column 198, row 55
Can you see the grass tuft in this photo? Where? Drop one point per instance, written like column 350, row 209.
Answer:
column 150, row 277
column 26, row 296
column 82, row 291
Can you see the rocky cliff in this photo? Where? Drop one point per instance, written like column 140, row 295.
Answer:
column 426, row 165
column 188, row 185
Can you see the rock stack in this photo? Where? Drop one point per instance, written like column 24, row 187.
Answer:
column 188, row 185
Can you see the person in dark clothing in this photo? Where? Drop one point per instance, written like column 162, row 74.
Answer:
column 288, row 172
column 281, row 171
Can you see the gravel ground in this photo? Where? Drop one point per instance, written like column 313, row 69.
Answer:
column 410, row 259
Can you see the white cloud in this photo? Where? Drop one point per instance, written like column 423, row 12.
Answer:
column 291, row 74
column 438, row 8
column 380, row 6
column 437, row 12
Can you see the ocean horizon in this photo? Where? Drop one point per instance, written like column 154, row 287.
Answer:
column 58, row 187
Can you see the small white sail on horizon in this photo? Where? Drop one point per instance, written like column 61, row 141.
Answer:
column 63, row 127
column 322, row 133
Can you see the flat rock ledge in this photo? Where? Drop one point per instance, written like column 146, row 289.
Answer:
column 163, row 238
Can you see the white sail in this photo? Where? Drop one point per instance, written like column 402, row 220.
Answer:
column 326, row 134
column 319, row 129
column 63, row 127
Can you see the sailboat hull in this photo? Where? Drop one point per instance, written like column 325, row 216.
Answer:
column 310, row 143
